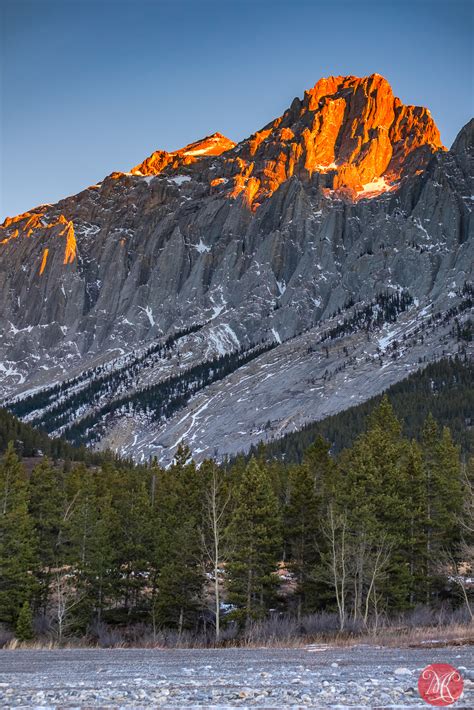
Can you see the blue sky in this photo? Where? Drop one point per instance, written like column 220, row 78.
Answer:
column 92, row 86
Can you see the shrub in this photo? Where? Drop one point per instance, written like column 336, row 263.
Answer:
column 24, row 624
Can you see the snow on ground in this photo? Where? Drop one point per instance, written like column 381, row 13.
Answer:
column 200, row 151
column 149, row 314
column 323, row 167
column 194, row 416
column 179, row 179
column 201, row 247
column 377, row 185
column 315, row 677
column 222, row 340
column 9, row 371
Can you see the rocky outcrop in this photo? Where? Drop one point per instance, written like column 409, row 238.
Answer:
column 213, row 145
column 348, row 195
column 354, row 131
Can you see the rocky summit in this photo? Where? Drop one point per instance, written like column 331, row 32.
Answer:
column 226, row 293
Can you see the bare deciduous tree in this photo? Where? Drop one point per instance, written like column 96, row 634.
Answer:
column 65, row 598
column 216, row 501
column 335, row 531
column 354, row 563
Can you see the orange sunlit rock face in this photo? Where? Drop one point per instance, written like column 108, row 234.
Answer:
column 216, row 144
column 347, row 137
column 70, row 249
column 33, row 225
column 44, row 260
column 352, row 130
column 217, row 181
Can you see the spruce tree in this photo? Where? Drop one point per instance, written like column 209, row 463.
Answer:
column 321, row 465
column 303, row 535
column 46, row 509
column 177, row 598
column 415, row 543
column 254, row 539
column 90, row 550
column 17, row 539
column 444, row 497
column 373, row 494
column 24, row 625
column 131, row 538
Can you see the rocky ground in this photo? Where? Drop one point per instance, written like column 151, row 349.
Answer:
column 315, row 677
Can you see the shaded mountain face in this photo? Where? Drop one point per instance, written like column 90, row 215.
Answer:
column 288, row 241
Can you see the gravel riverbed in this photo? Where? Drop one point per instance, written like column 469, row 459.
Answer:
column 316, row 677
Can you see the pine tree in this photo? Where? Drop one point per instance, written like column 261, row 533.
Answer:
column 24, row 625
column 90, row 550
column 177, row 597
column 17, row 539
column 303, row 535
column 415, row 543
column 373, row 494
column 255, row 542
column 321, row 465
column 131, row 538
column 444, row 496
column 46, row 510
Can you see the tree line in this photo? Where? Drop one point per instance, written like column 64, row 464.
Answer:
column 159, row 401
column 443, row 388
column 378, row 529
column 101, row 378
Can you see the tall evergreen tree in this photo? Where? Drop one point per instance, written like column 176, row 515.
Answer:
column 415, row 543
column 177, row 599
column 91, row 552
column 255, row 544
column 303, row 535
column 373, row 493
column 46, row 509
column 444, row 497
column 131, row 538
column 17, row 539
column 24, row 625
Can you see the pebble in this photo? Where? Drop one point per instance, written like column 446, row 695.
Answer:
column 402, row 671
column 367, row 678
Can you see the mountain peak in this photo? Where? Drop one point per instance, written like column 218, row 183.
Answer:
column 353, row 130
column 215, row 144
column 327, row 86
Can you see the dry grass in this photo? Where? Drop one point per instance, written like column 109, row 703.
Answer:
column 421, row 628
column 429, row 637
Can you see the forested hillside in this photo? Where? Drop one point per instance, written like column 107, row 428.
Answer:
column 113, row 553
column 444, row 388
column 29, row 442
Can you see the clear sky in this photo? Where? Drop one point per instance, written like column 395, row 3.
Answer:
column 92, row 86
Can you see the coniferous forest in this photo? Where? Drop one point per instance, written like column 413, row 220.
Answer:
column 341, row 541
